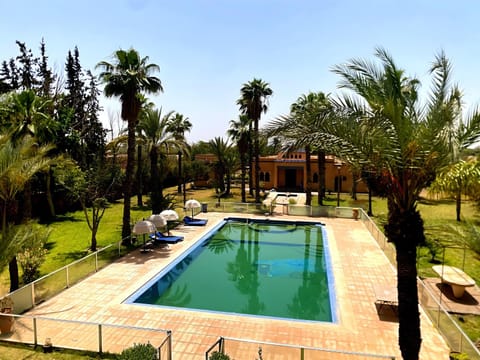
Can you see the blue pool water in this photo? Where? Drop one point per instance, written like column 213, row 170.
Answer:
column 264, row 268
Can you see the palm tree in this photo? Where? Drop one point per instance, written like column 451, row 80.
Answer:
column 231, row 162
column 253, row 102
column 408, row 145
column 127, row 77
column 140, row 140
column 220, row 148
column 239, row 132
column 19, row 162
column 180, row 124
column 308, row 112
column 461, row 177
column 28, row 116
column 155, row 127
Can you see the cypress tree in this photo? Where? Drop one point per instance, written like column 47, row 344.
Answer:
column 28, row 62
column 45, row 74
column 4, row 78
column 94, row 135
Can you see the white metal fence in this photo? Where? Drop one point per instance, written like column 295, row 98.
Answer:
column 250, row 349
column 86, row 336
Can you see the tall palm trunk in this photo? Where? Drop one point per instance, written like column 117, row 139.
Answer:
column 139, row 176
column 242, row 165
column 257, row 163
column 127, row 187
column 250, row 162
column 458, row 204
column 228, row 183
column 180, row 177
column 369, row 211
column 308, row 165
column 12, row 265
column 27, row 201
column 405, row 230
column 154, row 178
column 355, row 178
column 14, row 278
column 49, row 182
column 321, row 175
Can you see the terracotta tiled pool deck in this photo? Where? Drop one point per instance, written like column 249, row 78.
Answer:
column 358, row 265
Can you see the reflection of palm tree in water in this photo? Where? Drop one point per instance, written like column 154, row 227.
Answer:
column 177, row 296
column 162, row 289
column 244, row 270
column 222, row 242
column 303, row 304
column 254, row 306
column 219, row 245
column 239, row 269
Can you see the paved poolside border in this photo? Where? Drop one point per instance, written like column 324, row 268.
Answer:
column 357, row 261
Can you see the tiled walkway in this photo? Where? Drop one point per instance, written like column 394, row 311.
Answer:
column 358, row 264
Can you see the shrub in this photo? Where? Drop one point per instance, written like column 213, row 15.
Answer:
column 433, row 246
column 216, row 355
column 139, row 352
column 458, row 356
column 33, row 252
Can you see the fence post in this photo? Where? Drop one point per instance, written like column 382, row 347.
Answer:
column 68, row 276
column 32, row 293
column 221, row 345
column 35, row 333
column 169, row 333
column 100, row 344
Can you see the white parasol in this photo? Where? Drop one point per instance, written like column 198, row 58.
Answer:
column 169, row 215
column 158, row 220
column 142, row 228
column 192, row 204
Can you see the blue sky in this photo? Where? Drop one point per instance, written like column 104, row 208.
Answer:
column 207, row 49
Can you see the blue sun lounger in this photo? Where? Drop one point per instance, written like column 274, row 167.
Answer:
column 194, row 222
column 160, row 238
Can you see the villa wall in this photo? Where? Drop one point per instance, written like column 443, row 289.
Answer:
column 287, row 172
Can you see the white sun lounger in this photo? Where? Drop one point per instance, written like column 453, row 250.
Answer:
column 386, row 296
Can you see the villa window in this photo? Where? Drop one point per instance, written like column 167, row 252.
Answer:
column 267, row 176
column 315, row 178
column 262, row 176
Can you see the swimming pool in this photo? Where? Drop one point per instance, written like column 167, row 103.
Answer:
column 266, row 268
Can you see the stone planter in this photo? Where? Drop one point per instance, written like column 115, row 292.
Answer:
column 6, row 322
column 355, row 213
column 6, row 317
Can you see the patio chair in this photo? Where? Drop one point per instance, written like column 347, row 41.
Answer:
column 161, row 238
column 187, row 220
column 386, row 297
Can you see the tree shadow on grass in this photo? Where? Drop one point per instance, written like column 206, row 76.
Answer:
column 49, row 245
column 141, row 208
column 62, row 218
column 435, row 202
column 69, row 257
